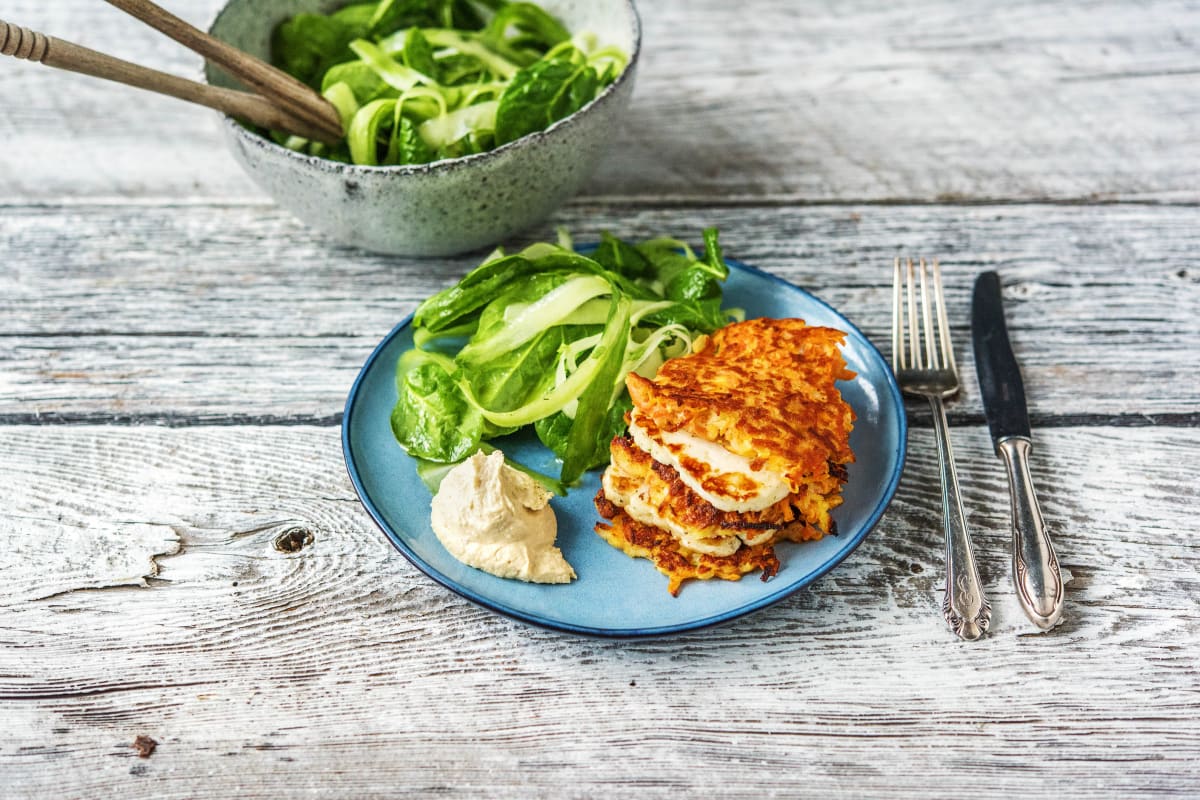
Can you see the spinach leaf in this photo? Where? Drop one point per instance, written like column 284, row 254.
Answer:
column 418, row 53
column 694, row 283
column 464, row 15
column 307, row 45
column 668, row 265
column 697, row 296
column 406, row 145
column 431, row 419
column 587, row 441
column 537, row 97
column 448, row 308
column 621, row 258
column 712, row 254
column 579, row 92
column 703, row 316
column 513, row 379
column 546, row 338
column 390, row 15
column 554, row 432
column 449, row 63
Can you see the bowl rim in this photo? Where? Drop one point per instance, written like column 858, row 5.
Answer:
column 445, row 164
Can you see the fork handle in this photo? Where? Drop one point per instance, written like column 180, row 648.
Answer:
column 1036, row 572
column 965, row 607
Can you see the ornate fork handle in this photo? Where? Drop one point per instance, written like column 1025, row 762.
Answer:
column 965, row 607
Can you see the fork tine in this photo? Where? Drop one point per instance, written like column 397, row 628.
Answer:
column 914, row 346
column 943, row 321
column 898, row 360
column 931, row 360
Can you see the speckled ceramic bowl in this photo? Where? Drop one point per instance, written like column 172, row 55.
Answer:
column 450, row 206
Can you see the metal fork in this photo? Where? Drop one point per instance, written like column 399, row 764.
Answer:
column 929, row 371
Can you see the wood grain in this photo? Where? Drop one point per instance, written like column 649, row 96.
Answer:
column 182, row 555
column 163, row 313
column 338, row 669
column 850, row 101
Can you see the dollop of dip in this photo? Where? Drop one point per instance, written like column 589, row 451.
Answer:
column 498, row 519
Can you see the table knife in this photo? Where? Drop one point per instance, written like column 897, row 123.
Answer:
column 1036, row 572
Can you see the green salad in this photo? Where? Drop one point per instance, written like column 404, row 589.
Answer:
column 416, row 81
column 544, row 338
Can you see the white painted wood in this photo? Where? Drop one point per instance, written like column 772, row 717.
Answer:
column 175, row 352
column 155, row 312
column 64, row 557
column 863, row 100
column 339, row 669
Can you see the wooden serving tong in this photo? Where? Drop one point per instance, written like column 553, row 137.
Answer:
column 280, row 102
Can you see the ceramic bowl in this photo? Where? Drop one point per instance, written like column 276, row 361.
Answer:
column 447, row 207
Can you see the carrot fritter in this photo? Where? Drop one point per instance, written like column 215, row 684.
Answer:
column 634, row 472
column 677, row 562
column 764, row 389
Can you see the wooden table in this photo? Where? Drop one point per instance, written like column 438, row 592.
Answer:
column 183, row 556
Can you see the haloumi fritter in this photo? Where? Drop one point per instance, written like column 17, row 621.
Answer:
column 732, row 448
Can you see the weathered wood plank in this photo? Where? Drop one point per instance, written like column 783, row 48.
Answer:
column 214, row 311
column 338, row 669
column 77, row 555
column 860, row 101
column 145, row 280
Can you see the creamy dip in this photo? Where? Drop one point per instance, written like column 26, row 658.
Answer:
column 498, row 519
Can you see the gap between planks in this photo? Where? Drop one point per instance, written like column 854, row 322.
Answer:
column 641, row 202
column 918, row 419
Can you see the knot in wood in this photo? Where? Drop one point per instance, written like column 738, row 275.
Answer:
column 144, row 746
column 293, row 540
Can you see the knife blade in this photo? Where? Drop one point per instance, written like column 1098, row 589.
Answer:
column 1036, row 573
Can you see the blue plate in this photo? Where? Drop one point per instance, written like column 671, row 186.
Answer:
column 615, row 595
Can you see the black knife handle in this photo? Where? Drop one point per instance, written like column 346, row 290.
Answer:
column 999, row 376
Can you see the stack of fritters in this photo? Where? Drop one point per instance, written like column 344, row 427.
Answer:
column 731, row 449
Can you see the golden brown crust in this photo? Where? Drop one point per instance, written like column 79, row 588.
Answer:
column 765, row 389
column 679, row 563
column 633, row 469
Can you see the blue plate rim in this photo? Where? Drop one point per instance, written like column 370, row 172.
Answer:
column 881, row 505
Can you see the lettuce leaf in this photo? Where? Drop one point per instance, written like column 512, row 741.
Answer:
column 545, row 337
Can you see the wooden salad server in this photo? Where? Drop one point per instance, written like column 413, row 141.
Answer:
column 292, row 95
column 318, row 120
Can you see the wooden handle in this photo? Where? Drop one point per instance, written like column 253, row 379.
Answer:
column 22, row 42
column 53, row 52
column 293, row 95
